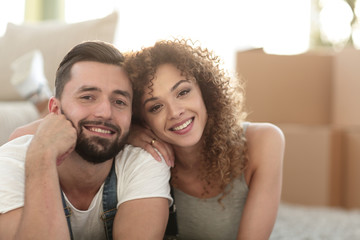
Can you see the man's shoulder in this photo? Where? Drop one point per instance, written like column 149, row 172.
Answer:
column 133, row 157
column 132, row 153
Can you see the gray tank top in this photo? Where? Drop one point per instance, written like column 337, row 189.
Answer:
column 206, row 219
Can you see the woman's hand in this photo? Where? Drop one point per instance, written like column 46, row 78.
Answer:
column 146, row 139
column 29, row 128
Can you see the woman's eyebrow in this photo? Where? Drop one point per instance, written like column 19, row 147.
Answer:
column 172, row 89
column 178, row 83
column 149, row 99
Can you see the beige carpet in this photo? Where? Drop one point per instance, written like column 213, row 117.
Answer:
column 316, row 223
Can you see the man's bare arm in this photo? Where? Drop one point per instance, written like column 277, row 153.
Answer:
column 42, row 216
column 144, row 219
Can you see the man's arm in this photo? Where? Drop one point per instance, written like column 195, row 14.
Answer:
column 143, row 196
column 42, row 216
column 143, row 219
column 9, row 223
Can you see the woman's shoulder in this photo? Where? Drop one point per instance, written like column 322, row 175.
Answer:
column 266, row 147
column 263, row 130
column 264, row 140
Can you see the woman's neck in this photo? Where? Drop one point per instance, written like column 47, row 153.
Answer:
column 188, row 157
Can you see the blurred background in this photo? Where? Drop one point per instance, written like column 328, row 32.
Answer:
column 300, row 59
column 278, row 26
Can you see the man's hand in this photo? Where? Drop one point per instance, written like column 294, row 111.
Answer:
column 57, row 134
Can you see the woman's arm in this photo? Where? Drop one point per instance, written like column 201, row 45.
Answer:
column 266, row 145
column 25, row 130
column 143, row 137
column 138, row 136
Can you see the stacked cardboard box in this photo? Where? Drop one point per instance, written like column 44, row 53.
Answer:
column 312, row 97
column 351, row 145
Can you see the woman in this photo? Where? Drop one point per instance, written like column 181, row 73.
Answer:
column 227, row 174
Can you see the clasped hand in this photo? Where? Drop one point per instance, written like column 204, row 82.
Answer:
column 56, row 134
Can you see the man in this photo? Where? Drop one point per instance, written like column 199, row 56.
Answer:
column 74, row 156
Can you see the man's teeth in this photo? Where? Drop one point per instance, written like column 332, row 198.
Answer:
column 182, row 126
column 99, row 130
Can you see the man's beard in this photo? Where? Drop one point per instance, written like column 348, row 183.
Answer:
column 97, row 149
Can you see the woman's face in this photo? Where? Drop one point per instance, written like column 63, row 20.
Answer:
column 174, row 109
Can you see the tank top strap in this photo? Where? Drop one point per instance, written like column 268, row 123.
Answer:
column 245, row 125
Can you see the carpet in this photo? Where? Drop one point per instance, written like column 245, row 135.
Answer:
column 296, row 222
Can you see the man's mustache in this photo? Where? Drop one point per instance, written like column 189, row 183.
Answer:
column 100, row 123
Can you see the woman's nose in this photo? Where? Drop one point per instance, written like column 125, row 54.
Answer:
column 175, row 110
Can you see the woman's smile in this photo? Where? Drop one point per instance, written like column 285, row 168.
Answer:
column 184, row 127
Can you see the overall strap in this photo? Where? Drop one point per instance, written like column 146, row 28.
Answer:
column 172, row 227
column 67, row 211
column 110, row 201
column 109, row 204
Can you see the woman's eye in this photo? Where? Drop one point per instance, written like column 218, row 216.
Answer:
column 183, row 92
column 155, row 108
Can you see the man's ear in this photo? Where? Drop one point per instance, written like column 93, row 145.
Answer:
column 54, row 105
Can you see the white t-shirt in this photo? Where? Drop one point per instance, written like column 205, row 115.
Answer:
column 138, row 174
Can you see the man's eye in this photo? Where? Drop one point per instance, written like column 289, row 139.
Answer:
column 119, row 102
column 87, row 97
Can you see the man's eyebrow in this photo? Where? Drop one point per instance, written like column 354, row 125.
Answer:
column 123, row 93
column 96, row 89
column 88, row 89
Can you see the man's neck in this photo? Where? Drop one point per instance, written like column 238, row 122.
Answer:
column 81, row 180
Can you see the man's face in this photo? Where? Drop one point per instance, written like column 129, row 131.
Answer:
column 97, row 100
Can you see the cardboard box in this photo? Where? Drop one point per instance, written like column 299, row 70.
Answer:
column 346, row 94
column 287, row 88
column 351, row 170
column 312, row 165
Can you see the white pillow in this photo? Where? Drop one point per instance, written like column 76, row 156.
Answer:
column 53, row 39
column 13, row 115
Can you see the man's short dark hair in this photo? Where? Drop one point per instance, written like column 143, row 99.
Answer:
column 97, row 51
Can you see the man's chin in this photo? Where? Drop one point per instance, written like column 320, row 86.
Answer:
column 98, row 150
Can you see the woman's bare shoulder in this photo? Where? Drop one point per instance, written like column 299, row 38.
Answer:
column 266, row 143
column 264, row 131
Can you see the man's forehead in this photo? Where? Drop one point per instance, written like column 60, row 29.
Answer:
column 119, row 91
column 100, row 76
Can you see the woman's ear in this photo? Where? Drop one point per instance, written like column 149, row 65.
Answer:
column 54, row 105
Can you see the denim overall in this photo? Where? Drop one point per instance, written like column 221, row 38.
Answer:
column 109, row 204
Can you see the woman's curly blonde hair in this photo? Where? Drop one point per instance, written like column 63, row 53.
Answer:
column 225, row 149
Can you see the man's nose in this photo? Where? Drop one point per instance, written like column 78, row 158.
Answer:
column 103, row 109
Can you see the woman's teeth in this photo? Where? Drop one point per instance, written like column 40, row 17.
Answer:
column 182, row 126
